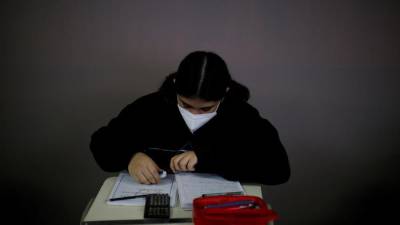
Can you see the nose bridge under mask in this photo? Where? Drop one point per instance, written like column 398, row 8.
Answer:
column 195, row 121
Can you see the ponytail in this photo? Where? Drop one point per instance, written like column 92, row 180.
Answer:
column 238, row 91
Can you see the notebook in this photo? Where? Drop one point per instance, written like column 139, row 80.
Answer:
column 194, row 185
column 187, row 186
column 125, row 185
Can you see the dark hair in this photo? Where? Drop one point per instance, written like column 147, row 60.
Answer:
column 204, row 75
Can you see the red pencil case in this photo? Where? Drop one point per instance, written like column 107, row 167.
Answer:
column 231, row 210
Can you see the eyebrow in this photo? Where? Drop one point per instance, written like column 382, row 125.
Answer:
column 210, row 106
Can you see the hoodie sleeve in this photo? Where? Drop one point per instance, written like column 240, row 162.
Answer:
column 247, row 148
column 114, row 145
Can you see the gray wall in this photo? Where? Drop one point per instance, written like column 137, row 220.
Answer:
column 325, row 73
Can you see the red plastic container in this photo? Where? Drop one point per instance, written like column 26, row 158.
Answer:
column 232, row 210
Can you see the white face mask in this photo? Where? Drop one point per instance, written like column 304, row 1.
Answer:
column 195, row 121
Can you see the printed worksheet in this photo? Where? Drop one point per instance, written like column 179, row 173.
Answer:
column 125, row 185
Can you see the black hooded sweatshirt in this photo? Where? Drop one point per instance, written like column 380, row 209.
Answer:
column 237, row 143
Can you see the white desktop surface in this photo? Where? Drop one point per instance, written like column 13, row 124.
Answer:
column 98, row 210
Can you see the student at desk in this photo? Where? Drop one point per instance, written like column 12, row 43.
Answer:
column 203, row 114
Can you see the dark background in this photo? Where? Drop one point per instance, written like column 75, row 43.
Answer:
column 325, row 73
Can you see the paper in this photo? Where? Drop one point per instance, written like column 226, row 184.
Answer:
column 193, row 185
column 125, row 185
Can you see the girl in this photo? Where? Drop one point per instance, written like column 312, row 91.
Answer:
column 199, row 120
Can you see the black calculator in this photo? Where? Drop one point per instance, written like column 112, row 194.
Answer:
column 157, row 206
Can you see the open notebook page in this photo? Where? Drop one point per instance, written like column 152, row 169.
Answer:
column 193, row 185
column 125, row 185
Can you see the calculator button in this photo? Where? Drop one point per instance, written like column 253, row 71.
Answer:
column 157, row 206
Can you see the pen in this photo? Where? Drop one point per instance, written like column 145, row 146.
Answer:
column 127, row 197
column 167, row 150
column 225, row 193
column 241, row 204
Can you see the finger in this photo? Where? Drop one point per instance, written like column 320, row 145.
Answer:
column 154, row 174
column 157, row 168
column 149, row 176
column 142, row 179
column 134, row 176
column 172, row 164
column 177, row 162
column 183, row 163
column 131, row 172
column 153, row 164
column 157, row 171
column 192, row 163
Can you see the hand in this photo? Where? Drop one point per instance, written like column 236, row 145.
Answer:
column 183, row 162
column 144, row 169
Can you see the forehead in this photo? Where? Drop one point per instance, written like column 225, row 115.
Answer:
column 196, row 102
